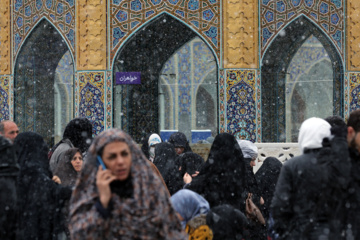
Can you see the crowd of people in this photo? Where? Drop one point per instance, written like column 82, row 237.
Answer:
column 108, row 187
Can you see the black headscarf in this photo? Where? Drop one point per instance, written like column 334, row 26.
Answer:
column 79, row 132
column 190, row 162
column 145, row 146
column 227, row 223
column 222, row 178
column 179, row 139
column 166, row 162
column 267, row 177
column 39, row 198
column 8, row 172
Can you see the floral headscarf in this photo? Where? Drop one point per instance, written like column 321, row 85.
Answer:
column 148, row 214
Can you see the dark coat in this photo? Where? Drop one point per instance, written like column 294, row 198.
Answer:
column 222, row 178
column 267, row 177
column 8, row 172
column 166, row 162
column 39, row 198
column 307, row 197
column 190, row 163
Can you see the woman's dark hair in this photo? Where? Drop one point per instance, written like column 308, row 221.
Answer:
column 70, row 153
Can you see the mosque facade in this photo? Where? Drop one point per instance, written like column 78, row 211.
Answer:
column 253, row 68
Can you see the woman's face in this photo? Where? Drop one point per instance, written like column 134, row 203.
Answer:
column 179, row 150
column 77, row 161
column 117, row 158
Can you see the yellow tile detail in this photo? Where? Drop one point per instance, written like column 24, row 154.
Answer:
column 353, row 35
column 91, row 30
column 240, row 18
column 5, row 40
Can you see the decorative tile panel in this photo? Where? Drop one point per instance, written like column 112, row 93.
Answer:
column 258, row 106
column 127, row 16
column 109, row 103
column 353, row 35
column 92, row 99
column 91, row 28
column 76, row 93
column 222, row 105
column 5, row 82
column 354, row 79
column 26, row 14
column 5, row 42
column 327, row 14
column 346, row 95
column 241, row 33
column 241, row 103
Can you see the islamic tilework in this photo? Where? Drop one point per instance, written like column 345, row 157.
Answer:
column 327, row 14
column 203, row 65
column 183, row 74
column 4, row 98
column 108, row 99
column 128, row 15
column 258, row 107
column 92, row 99
column 26, row 14
column 184, row 85
column 312, row 51
column 76, row 91
column 222, row 93
column 354, row 79
column 241, row 99
column 346, row 96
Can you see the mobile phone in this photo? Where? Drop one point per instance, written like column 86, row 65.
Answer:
column 100, row 162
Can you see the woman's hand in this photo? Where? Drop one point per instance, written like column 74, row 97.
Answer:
column 103, row 180
column 56, row 179
column 187, row 178
column 195, row 174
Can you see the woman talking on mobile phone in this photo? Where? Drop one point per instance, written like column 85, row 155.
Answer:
column 126, row 200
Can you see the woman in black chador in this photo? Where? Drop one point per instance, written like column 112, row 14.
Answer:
column 39, row 198
column 222, row 178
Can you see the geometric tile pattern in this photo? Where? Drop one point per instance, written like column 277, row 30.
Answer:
column 4, row 98
column 109, row 102
column 327, row 14
column 354, row 79
column 241, row 103
column 346, row 95
column 92, row 99
column 26, row 14
column 126, row 16
column 258, row 106
column 222, row 101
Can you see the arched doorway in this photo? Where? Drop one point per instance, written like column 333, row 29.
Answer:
column 163, row 51
column 44, row 81
column 294, row 67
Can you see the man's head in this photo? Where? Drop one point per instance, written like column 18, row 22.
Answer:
column 353, row 127
column 9, row 129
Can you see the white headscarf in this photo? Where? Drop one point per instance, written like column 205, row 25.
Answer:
column 248, row 148
column 154, row 139
column 312, row 132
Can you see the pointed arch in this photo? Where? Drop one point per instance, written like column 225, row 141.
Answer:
column 44, row 18
column 274, row 67
column 149, row 22
column 147, row 51
column 34, row 79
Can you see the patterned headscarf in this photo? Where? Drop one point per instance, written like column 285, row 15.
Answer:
column 146, row 215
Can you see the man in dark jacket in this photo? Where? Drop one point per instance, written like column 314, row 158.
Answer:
column 302, row 203
column 8, row 174
column 353, row 196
